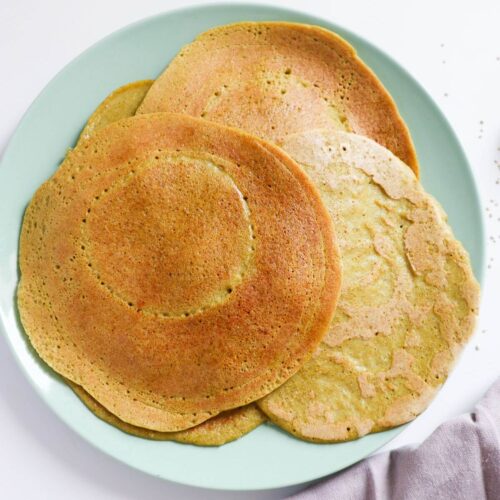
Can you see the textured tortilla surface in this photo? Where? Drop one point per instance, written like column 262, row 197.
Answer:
column 408, row 301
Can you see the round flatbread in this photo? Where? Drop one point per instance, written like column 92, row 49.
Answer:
column 175, row 269
column 224, row 428
column 408, row 301
column 274, row 79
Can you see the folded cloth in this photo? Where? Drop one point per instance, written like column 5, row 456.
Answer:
column 459, row 460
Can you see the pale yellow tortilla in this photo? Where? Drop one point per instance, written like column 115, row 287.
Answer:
column 408, row 301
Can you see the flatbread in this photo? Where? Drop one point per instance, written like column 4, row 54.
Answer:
column 175, row 269
column 224, row 428
column 274, row 79
column 121, row 103
column 408, row 301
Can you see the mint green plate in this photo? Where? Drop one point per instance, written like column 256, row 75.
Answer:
column 267, row 457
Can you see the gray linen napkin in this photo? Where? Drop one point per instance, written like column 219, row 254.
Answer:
column 459, row 460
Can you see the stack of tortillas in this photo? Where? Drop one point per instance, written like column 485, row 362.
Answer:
column 245, row 239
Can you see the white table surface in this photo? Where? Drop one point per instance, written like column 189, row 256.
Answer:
column 451, row 47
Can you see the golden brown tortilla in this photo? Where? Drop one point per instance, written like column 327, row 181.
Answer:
column 223, row 428
column 121, row 103
column 274, row 79
column 175, row 269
